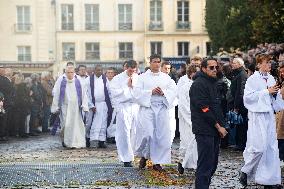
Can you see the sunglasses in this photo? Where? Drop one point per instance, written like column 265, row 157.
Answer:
column 213, row 68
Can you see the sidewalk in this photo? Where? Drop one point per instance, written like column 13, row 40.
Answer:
column 41, row 162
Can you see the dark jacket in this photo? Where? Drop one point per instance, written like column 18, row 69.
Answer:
column 237, row 88
column 6, row 87
column 205, row 106
column 22, row 99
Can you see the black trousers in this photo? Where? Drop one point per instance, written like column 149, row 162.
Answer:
column 208, row 152
column 3, row 125
column 241, row 133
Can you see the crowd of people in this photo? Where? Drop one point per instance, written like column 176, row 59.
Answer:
column 232, row 100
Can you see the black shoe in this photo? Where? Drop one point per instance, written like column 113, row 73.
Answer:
column 180, row 168
column 243, row 179
column 128, row 164
column 142, row 163
column 33, row 134
column 88, row 144
column 24, row 135
column 102, row 144
column 157, row 167
column 4, row 139
column 64, row 145
column 46, row 130
column 112, row 140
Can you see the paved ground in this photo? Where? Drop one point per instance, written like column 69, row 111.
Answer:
column 41, row 162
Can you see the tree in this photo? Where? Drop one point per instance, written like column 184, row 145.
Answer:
column 244, row 23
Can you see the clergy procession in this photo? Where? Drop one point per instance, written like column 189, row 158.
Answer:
column 209, row 104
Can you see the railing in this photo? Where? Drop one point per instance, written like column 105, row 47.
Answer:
column 67, row 26
column 24, row 57
column 125, row 26
column 156, row 26
column 181, row 25
column 69, row 56
column 23, row 27
column 92, row 26
column 92, row 55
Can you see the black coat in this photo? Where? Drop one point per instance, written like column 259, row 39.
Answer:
column 237, row 89
column 205, row 106
column 6, row 87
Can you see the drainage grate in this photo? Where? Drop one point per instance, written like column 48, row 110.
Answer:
column 64, row 174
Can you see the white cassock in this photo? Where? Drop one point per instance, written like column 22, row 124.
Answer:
column 261, row 154
column 97, row 122
column 153, row 134
column 126, row 118
column 71, row 121
column 188, row 147
column 112, row 126
column 172, row 119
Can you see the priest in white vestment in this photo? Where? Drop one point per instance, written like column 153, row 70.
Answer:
column 67, row 96
column 262, row 98
column 155, row 92
column 98, row 93
column 122, row 97
column 188, row 147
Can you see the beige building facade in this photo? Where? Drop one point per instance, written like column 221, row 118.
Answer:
column 45, row 34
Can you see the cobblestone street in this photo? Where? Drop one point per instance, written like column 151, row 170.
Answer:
column 41, row 162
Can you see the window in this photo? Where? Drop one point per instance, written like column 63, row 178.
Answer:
column 125, row 16
column 183, row 48
column 23, row 18
column 92, row 51
column 67, row 22
column 156, row 48
column 183, row 15
column 68, row 51
column 92, row 17
column 24, row 54
column 156, row 15
column 125, row 50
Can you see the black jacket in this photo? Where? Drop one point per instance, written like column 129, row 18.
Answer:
column 237, row 88
column 205, row 106
column 6, row 87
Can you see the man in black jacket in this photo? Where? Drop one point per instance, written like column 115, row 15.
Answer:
column 6, row 87
column 237, row 90
column 207, row 121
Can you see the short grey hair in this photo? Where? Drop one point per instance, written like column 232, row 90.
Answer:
column 45, row 74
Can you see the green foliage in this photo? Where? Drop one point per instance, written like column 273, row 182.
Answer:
column 244, row 23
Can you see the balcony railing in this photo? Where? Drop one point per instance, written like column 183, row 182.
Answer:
column 125, row 26
column 182, row 25
column 156, row 26
column 92, row 26
column 92, row 55
column 67, row 26
column 24, row 57
column 69, row 56
column 23, row 27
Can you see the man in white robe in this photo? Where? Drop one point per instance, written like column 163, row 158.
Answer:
column 99, row 107
column 262, row 98
column 121, row 89
column 166, row 68
column 155, row 93
column 188, row 148
column 60, row 77
column 83, row 77
column 67, row 96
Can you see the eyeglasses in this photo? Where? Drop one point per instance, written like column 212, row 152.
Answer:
column 213, row 68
